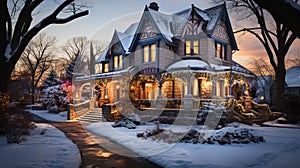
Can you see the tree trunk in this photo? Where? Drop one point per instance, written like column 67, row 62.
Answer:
column 280, row 85
column 4, row 77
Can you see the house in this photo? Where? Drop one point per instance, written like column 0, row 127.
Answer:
column 292, row 80
column 184, row 58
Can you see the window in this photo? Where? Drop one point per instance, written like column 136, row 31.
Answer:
column 118, row 61
column 106, row 67
column 221, row 50
column 191, row 47
column 149, row 53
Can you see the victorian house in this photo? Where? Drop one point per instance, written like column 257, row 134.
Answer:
column 184, row 58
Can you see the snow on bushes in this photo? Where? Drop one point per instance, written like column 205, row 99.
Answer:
column 125, row 122
column 228, row 135
column 55, row 99
column 215, row 113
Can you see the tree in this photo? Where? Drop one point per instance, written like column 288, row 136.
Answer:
column 51, row 80
column 37, row 59
column 288, row 14
column 275, row 37
column 14, row 37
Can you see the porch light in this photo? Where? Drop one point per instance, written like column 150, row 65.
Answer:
column 148, row 84
column 131, row 87
column 262, row 97
column 208, row 83
column 118, row 87
column 105, row 97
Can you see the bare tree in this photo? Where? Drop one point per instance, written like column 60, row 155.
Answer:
column 275, row 37
column 261, row 67
column 79, row 48
column 288, row 14
column 37, row 59
column 14, row 37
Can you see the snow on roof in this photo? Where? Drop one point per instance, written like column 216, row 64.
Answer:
column 292, row 77
column 163, row 23
column 213, row 13
column 101, row 58
column 189, row 64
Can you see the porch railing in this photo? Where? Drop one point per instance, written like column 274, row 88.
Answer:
column 77, row 110
column 174, row 103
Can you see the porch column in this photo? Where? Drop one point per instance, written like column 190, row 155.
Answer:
column 213, row 89
column 188, row 98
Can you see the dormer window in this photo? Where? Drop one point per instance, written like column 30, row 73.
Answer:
column 118, row 61
column 221, row 50
column 149, row 53
column 191, row 47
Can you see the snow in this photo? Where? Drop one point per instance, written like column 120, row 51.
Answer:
column 281, row 149
column 44, row 114
column 189, row 63
column 163, row 23
column 52, row 149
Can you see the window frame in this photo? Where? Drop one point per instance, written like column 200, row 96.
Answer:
column 149, row 52
column 222, row 53
column 192, row 46
column 119, row 61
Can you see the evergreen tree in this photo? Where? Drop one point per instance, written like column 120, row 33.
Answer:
column 51, row 80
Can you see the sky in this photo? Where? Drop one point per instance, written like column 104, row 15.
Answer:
column 105, row 16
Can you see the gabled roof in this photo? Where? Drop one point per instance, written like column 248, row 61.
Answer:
column 170, row 26
column 124, row 38
column 216, row 13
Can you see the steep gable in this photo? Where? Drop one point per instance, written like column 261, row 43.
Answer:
column 195, row 23
column 221, row 31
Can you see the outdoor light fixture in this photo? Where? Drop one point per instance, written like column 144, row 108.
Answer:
column 105, row 97
column 118, row 87
column 262, row 97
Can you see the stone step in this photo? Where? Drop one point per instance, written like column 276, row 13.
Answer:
column 92, row 116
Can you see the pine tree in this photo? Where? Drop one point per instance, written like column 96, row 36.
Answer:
column 51, row 80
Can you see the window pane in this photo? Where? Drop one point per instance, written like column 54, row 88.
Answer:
column 188, row 47
column 219, row 50
column 196, row 47
column 116, row 64
column 106, row 68
column 153, row 52
column 146, row 54
column 120, row 61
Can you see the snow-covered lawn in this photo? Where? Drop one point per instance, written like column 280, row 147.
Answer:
column 51, row 149
column 60, row 117
column 281, row 149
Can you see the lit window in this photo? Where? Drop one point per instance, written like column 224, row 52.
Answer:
column 118, row 61
column 106, row 67
column 188, row 47
column 146, row 54
column 191, row 47
column 196, row 47
column 153, row 53
column 149, row 53
column 220, row 51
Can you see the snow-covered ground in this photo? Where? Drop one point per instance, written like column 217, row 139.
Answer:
column 60, row 117
column 281, row 149
column 51, row 149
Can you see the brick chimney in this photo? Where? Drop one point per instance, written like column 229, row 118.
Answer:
column 154, row 6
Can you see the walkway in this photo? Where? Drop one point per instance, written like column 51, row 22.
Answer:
column 93, row 155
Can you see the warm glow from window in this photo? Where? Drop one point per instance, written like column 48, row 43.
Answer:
column 153, row 52
column 146, row 54
column 188, row 47
column 196, row 47
column 106, row 67
column 219, row 51
column 118, row 61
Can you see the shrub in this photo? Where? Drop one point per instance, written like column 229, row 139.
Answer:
column 18, row 124
column 291, row 103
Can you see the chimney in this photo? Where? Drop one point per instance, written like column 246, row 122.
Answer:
column 154, row 6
